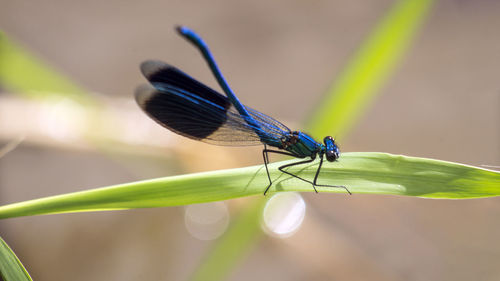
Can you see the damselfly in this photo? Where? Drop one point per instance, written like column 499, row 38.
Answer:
column 187, row 107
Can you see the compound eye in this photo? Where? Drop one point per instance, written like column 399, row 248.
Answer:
column 331, row 155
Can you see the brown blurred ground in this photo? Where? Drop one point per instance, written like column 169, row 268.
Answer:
column 280, row 56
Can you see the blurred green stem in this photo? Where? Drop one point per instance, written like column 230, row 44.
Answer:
column 369, row 69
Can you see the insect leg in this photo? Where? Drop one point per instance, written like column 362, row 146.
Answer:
column 266, row 161
column 314, row 183
column 265, row 155
column 293, row 175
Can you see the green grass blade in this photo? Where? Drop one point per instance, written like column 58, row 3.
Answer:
column 361, row 172
column 369, row 69
column 11, row 269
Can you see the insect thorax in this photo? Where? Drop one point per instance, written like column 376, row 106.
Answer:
column 301, row 145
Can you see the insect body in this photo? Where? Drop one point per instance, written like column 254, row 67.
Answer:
column 187, row 107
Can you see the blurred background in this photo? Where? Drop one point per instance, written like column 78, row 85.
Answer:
column 442, row 101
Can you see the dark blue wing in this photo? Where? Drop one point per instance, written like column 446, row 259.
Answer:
column 191, row 109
